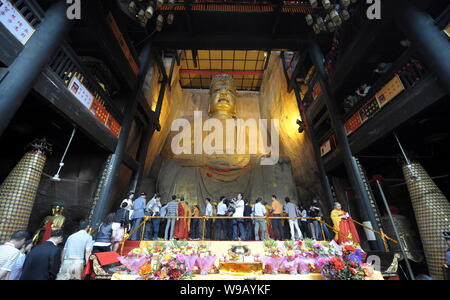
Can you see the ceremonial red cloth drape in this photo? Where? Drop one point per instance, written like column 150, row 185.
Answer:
column 47, row 232
column 347, row 228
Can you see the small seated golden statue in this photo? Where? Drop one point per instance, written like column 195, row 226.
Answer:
column 238, row 252
column 50, row 224
column 238, row 264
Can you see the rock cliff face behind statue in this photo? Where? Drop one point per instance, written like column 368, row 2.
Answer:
column 198, row 173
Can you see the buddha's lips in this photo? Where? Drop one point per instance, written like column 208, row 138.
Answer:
column 228, row 170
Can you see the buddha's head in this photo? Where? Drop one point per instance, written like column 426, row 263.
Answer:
column 222, row 103
column 57, row 208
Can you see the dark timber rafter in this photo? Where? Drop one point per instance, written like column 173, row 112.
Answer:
column 298, row 67
column 160, row 63
column 188, row 7
column 277, row 11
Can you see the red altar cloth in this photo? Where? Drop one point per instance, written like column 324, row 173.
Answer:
column 104, row 258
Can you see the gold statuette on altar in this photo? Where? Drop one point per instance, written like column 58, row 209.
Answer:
column 241, row 263
column 57, row 222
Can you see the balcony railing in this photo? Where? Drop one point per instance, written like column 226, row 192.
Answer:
column 67, row 65
column 404, row 75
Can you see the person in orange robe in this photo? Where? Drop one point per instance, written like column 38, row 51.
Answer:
column 182, row 226
column 344, row 227
column 269, row 229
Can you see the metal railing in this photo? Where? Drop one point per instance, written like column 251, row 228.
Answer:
column 143, row 224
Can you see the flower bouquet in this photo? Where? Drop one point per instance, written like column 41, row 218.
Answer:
column 274, row 256
column 178, row 246
column 135, row 259
column 335, row 249
column 145, row 269
column 289, row 265
column 205, row 260
column 343, row 269
column 170, row 266
column 354, row 254
column 189, row 256
column 274, row 263
column 158, row 247
column 304, row 264
column 190, row 261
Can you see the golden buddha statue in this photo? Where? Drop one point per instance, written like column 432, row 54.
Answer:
column 223, row 97
column 50, row 224
column 235, row 164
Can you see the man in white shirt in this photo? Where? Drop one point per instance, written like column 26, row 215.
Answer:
column 153, row 209
column 208, row 213
column 259, row 210
column 220, row 223
column 128, row 201
column 238, row 222
column 291, row 211
column 9, row 252
column 76, row 253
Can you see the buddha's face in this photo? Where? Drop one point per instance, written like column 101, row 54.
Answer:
column 223, row 99
column 57, row 210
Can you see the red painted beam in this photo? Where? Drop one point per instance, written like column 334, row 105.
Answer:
column 215, row 72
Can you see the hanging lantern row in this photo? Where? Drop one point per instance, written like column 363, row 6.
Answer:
column 144, row 10
column 336, row 12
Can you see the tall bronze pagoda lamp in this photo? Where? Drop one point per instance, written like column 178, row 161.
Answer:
column 18, row 191
column 432, row 212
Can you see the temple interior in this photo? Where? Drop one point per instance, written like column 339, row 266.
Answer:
column 352, row 102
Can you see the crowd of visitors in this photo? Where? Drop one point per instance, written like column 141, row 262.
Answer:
column 241, row 220
column 234, row 218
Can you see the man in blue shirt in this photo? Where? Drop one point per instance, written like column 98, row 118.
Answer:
column 171, row 211
column 138, row 216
